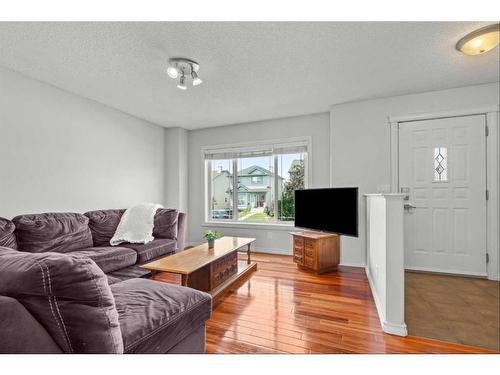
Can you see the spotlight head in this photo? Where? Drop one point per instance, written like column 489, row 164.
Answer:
column 196, row 80
column 172, row 72
column 182, row 83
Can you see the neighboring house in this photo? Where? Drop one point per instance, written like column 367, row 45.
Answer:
column 221, row 189
column 254, row 188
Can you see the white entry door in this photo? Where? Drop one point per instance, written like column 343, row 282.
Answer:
column 442, row 166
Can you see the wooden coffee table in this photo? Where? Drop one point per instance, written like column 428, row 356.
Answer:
column 210, row 270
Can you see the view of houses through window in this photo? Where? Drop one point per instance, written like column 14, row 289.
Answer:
column 261, row 194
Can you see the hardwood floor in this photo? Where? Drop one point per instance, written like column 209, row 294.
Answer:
column 283, row 310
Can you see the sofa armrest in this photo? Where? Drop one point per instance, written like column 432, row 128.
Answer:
column 20, row 332
column 181, row 231
column 163, row 315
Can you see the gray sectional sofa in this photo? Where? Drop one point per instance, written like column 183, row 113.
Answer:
column 64, row 289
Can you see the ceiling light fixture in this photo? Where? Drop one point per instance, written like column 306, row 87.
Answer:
column 183, row 67
column 480, row 41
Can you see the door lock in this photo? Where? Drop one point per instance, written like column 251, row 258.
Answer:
column 409, row 206
column 406, row 192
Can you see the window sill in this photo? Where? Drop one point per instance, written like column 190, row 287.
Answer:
column 261, row 226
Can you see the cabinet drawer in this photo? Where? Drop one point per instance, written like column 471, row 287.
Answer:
column 298, row 259
column 309, row 252
column 298, row 242
column 298, row 252
column 309, row 243
column 309, row 262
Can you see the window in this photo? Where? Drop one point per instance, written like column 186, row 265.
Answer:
column 291, row 168
column 222, row 185
column 440, row 164
column 257, row 180
column 257, row 198
column 265, row 177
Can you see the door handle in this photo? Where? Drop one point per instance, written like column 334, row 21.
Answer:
column 409, row 206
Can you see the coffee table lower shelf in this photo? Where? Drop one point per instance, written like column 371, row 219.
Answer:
column 244, row 271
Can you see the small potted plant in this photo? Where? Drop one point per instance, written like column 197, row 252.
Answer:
column 211, row 236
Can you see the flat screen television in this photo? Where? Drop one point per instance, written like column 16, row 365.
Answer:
column 330, row 210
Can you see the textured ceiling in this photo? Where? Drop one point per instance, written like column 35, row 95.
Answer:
column 251, row 71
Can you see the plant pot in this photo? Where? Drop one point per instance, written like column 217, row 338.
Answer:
column 211, row 243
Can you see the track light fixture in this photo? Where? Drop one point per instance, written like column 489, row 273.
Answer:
column 183, row 67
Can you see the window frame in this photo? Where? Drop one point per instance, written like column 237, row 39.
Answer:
column 207, row 183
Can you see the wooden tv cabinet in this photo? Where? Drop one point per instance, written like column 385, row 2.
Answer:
column 316, row 251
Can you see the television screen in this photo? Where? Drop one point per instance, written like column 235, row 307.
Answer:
column 331, row 210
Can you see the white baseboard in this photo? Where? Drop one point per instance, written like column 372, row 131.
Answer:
column 352, row 264
column 395, row 329
column 449, row 272
column 494, row 277
column 272, row 251
column 282, row 251
column 388, row 327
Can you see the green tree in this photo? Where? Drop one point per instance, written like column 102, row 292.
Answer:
column 295, row 181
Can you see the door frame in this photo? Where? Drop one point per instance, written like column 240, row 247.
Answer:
column 492, row 171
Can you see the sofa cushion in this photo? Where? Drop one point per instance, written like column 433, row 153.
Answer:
column 103, row 224
column 166, row 223
column 154, row 316
column 130, row 272
column 7, row 236
column 20, row 332
column 152, row 250
column 68, row 295
column 57, row 232
column 109, row 258
column 113, row 280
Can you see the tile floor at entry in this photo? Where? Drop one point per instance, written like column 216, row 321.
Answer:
column 457, row 309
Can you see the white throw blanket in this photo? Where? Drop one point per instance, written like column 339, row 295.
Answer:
column 136, row 224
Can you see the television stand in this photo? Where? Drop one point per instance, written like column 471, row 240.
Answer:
column 316, row 251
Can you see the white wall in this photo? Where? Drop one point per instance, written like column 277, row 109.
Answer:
column 176, row 168
column 360, row 142
column 61, row 152
column 316, row 126
column 385, row 259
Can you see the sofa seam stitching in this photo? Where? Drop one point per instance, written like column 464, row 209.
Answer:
column 58, row 311
column 101, row 301
column 104, row 258
column 50, row 301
